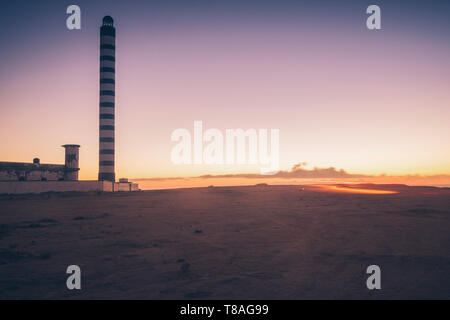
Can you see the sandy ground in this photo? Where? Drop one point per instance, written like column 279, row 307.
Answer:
column 258, row 242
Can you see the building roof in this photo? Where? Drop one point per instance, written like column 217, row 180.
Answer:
column 70, row 145
column 30, row 166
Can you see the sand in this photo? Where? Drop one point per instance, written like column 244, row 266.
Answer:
column 256, row 242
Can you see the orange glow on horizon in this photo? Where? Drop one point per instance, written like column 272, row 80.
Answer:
column 348, row 189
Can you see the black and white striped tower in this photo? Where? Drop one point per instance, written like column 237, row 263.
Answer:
column 107, row 93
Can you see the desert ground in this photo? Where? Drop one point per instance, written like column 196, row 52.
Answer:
column 255, row 242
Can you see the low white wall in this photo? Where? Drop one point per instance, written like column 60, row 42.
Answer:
column 107, row 186
column 18, row 187
column 122, row 186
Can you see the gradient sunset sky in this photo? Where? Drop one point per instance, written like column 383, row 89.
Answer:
column 370, row 102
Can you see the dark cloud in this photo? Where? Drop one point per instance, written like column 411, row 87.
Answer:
column 296, row 172
column 161, row 179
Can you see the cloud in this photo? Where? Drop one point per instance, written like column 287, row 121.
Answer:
column 161, row 179
column 297, row 171
column 298, row 174
column 298, row 165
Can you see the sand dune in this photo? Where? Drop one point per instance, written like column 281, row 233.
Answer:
column 256, row 242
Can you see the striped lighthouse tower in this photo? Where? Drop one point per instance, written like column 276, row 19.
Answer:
column 107, row 92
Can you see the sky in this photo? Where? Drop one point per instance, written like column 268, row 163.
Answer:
column 371, row 102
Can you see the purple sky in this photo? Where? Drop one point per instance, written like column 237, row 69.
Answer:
column 370, row 102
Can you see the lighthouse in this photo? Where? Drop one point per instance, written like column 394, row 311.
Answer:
column 107, row 100
column 37, row 177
